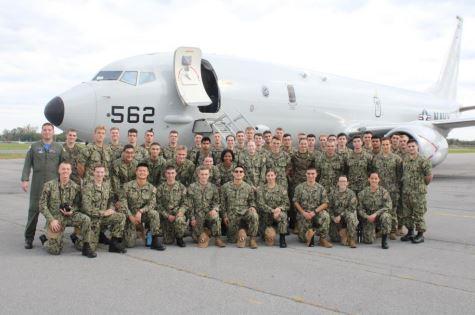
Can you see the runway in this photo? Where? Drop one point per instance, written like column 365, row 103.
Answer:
column 437, row 276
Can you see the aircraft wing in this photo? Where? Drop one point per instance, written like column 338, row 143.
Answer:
column 455, row 123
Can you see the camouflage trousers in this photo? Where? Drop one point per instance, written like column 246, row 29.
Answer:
column 204, row 220
column 151, row 219
column 54, row 245
column 349, row 221
column 383, row 221
column 320, row 222
column 394, row 211
column 175, row 229
column 249, row 220
column 267, row 220
column 414, row 207
column 115, row 222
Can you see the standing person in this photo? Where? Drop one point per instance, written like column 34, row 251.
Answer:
column 358, row 165
column 123, row 170
column 255, row 165
column 198, row 139
column 330, row 166
column 250, row 133
column 373, row 209
column 170, row 151
column 213, row 177
column 389, row 166
column 259, row 141
column 239, row 210
column 115, row 145
column 311, row 202
column 72, row 153
column 376, row 144
column 241, row 142
column 226, row 167
column 184, row 168
column 279, row 133
column 267, row 135
column 367, row 145
column 323, row 139
column 341, row 148
column 43, row 157
column 416, row 175
column 148, row 139
column 203, row 152
column 273, row 204
column 203, row 204
column 231, row 143
column 402, row 152
column 217, row 146
column 312, row 144
column 279, row 161
column 395, row 142
column 97, row 153
column 156, row 165
column 140, row 152
column 59, row 203
column 287, row 144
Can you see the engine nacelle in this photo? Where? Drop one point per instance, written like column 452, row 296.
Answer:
column 432, row 144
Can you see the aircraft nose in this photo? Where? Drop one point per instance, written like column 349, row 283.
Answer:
column 54, row 111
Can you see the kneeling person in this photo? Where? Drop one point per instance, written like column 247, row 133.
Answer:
column 203, row 203
column 138, row 203
column 374, row 208
column 59, row 203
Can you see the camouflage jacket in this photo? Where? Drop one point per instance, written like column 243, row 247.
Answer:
column 199, row 156
column 373, row 202
column 134, row 198
column 171, row 199
column 156, row 170
column 255, row 166
column 53, row 195
column 329, row 169
column 96, row 198
column 270, row 198
column 310, row 197
column 185, row 172
column 344, row 152
column 280, row 163
column 413, row 173
column 72, row 155
column 342, row 202
column 141, row 154
column 389, row 169
column 300, row 162
column 93, row 155
column 226, row 173
column 214, row 176
column 236, row 200
column 116, row 151
column 122, row 173
column 359, row 167
column 202, row 199
column 169, row 153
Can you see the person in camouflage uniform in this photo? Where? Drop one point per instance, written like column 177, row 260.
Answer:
column 59, row 204
column 312, row 144
column 156, row 165
column 217, row 146
column 148, row 140
column 239, row 208
column 203, row 204
column 376, row 144
column 259, row 142
column 185, row 169
column 273, row 204
column 170, row 151
column 97, row 153
column 71, row 153
column 203, row 152
column 255, row 165
column 395, row 142
column 138, row 202
column 389, row 166
column 311, row 201
column 358, row 166
column 214, row 176
column 367, row 145
column 97, row 204
column 402, row 150
column 287, row 144
column 323, row 139
column 417, row 174
column 250, row 133
column 123, row 170
column 171, row 202
column 373, row 208
column 226, row 167
column 279, row 161
column 267, row 135
column 43, row 157
column 240, row 146
column 341, row 148
column 342, row 209
column 196, row 148
column 141, row 153
column 115, row 145
column 330, row 166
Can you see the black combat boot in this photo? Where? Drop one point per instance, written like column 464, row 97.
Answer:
column 419, row 238
column 28, row 243
column 103, row 239
column 87, row 251
column 156, row 244
column 409, row 236
column 116, row 246
column 180, row 242
column 384, row 241
column 43, row 239
column 282, row 242
column 73, row 238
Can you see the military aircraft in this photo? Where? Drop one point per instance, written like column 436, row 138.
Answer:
column 191, row 93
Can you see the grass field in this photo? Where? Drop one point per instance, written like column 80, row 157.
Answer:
column 14, row 146
column 461, row 150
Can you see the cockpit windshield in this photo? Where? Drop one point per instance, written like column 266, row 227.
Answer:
column 107, row 75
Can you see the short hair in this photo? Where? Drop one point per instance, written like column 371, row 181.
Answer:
column 302, row 139
column 331, row 135
column 287, row 135
column 275, row 138
column 239, row 166
column 357, row 137
column 311, row 167
column 128, row 146
column 373, row 172
column 150, row 130
column 342, row 134
column 226, row 151
column 412, row 141
column 100, row 127
column 266, row 132
column 368, row 133
column 65, row 162
column 385, row 138
column 155, row 143
column 279, row 128
column 132, row 130
column 375, row 138
column 311, row 135
column 47, row 124
column 99, row 165
column 71, row 130
column 114, row 128
column 181, row 148
column 395, row 134
column 173, row 131
column 170, row 167
column 258, row 134
column 142, row 164
column 271, row 170
column 203, row 168
column 250, row 128
column 230, row 136
column 240, row 131
column 204, row 139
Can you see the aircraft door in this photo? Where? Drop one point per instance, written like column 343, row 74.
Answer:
column 188, row 79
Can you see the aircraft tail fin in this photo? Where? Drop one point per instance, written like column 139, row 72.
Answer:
column 446, row 86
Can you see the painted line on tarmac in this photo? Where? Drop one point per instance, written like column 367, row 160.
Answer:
column 447, row 214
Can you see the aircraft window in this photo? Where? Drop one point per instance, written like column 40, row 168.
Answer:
column 107, row 75
column 146, row 77
column 129, row 77
column 291, row 92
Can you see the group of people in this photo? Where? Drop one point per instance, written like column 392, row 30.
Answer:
column 254, row 185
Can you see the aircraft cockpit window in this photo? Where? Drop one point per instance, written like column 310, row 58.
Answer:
column 146, row 77
column 107, row 75
column 129, row 77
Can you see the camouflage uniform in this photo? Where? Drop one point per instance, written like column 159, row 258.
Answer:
column 378, row 202
column 122, row 173
column 344, row 153
column 255, row 166
column 280, row 163
column 300, row 162
column 359, row 167
column 72, row 155
column 45, row 168
column 169, row 153
column 156, row 170
column 235, row 204
column 116, row 151
column 267, row 200
column 184, row 172
column 201, row 200
column 171, row 200
column 99, row 198
column 214, row 176
column 93, row 155
column 193, row 153
column 389, row 169
column 289, row 151
column 344, row 204
column 414, row 192
column 52, row 197
column 199, row 156
column 132, row 200
column 216, row 151
column 310, row 198
column 329, row 169
column 226, row 173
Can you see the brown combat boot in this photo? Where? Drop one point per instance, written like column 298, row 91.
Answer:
column 324, row 243
column 309, row 237
column 241, row 238
column 219, row 242
column 392, row 236
column 343, row 236
column 352, row 242
column 253, row 243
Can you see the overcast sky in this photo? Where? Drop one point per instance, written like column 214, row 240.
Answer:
column 47, row 47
